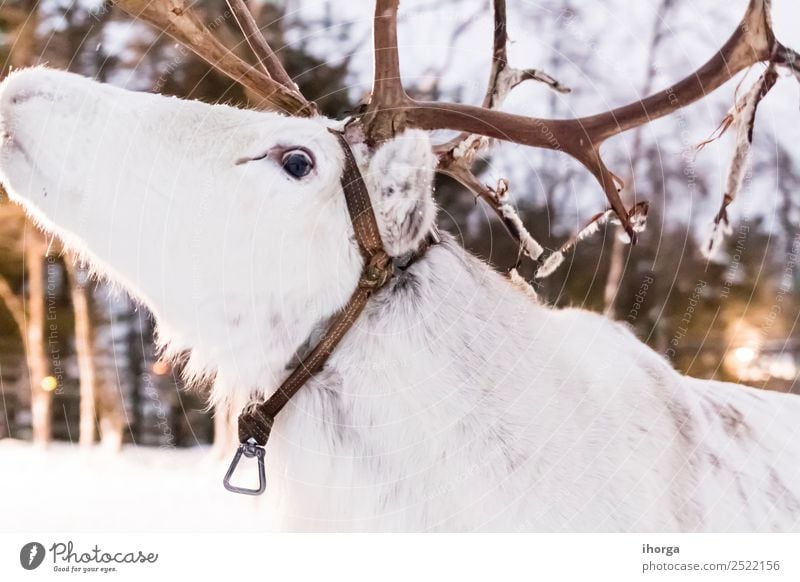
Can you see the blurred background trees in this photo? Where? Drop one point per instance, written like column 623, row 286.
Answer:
column 77, row 358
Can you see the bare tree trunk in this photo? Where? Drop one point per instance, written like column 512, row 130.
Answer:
column 100, row 399
column 112, row 363
column 109, row 410
column 85, row 353
column 14, row 305
column 32, row 328
column 614, row 276
column 111, row 421
column 16, row 308
column 41, row 399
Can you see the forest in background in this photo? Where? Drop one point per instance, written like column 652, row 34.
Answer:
column 77, row 357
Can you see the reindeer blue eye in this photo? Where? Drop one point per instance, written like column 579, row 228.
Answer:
column 297, row 163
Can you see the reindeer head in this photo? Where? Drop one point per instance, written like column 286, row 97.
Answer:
column 220, row 218
column 229, row 224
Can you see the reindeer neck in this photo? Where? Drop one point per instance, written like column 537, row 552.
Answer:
column 445, row 308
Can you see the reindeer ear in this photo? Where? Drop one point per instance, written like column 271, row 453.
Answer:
column 400, row 180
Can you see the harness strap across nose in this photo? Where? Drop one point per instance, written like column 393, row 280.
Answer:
column 255, row 423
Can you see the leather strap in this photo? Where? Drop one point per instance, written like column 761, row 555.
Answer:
column 256, row 421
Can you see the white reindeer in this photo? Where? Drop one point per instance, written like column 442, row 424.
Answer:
column 455, row 402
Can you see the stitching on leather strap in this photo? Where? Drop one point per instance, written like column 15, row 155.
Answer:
column 256, row 421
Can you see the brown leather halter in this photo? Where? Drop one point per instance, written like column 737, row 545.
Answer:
column 255, row 423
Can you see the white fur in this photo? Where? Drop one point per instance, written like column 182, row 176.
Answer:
column 400, row 176
column 455, row 402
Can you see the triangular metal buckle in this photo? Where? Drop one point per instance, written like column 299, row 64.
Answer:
column 249, row 449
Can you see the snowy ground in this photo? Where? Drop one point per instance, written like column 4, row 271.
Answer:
column 140, row 489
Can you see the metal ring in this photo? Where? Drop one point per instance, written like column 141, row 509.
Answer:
column 249, row 449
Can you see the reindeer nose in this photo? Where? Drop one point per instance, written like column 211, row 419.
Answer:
column 24, row 86
column 23, row 96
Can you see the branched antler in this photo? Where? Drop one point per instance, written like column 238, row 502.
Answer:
column 502, row 79
column 258, row 44
column 179, row 20
column 743, row 116
column 788, row 58
column 457, row 156
column 390, row 109
column 498, row 200
column 638, row 217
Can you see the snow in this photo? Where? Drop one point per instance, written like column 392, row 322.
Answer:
column 64, row 488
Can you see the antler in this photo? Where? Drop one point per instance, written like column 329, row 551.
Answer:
column 179, row 20
column 391, row 109
column 457, row 156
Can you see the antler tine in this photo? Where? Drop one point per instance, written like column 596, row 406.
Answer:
column 387, row 98
column 753, row 41
column 261, row 49
column 457, row 156
column 179, row 20
column 788, row 58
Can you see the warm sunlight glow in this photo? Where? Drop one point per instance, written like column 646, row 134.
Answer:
column 744, row 355
column 49, row 383
column 161, row 367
